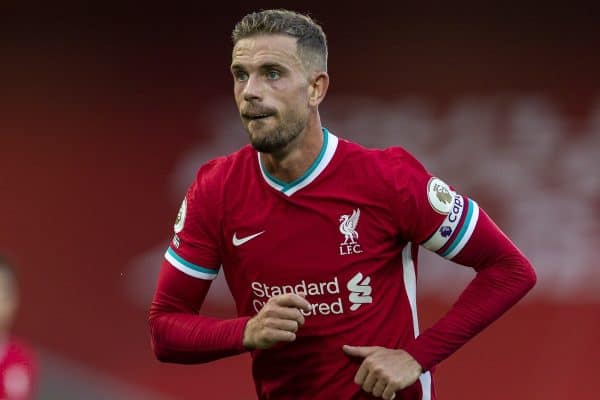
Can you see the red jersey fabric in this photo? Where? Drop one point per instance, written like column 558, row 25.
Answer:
column 347, row 234
column 17, row 371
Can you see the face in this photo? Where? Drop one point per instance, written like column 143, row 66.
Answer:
column 271, row 88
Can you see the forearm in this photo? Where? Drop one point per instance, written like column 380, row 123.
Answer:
column 178, row 333
column 491, row 293
column 189, row 339
column 503, row 277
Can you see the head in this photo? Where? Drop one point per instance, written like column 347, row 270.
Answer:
column 279, row 67
column 8, row 296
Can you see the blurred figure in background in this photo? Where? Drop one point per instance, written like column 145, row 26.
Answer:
column 17, row 365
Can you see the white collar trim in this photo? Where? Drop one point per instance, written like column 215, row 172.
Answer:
column 330, row 142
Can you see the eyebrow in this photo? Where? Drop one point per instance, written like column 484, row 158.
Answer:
column 236, row 66
column 271, row 65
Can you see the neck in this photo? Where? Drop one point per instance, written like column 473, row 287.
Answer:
column 296, row 158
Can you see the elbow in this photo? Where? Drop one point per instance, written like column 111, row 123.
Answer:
column 169, row 354
column 524, row 276
column 514, row 274
column 164, row 350
column 530, row 276
column 156, row 343
column 160, row 352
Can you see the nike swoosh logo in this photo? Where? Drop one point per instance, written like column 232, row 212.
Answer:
column 240, row 241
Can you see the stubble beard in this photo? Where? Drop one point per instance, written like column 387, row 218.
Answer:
column 278, row 138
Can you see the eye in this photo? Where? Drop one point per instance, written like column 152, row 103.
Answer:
column 273, row 74
column 240, row 76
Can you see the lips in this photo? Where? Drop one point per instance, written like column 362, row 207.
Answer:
column 257, row 114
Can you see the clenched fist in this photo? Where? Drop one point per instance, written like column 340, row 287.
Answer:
column 278, row 321
column 384, row 371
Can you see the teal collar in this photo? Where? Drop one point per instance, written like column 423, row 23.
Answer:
column 330, row 142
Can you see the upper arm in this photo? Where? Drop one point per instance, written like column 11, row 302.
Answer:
column 195, row 248
column 439, row 218
column 428, row 211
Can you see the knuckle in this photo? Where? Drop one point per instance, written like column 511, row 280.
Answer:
column 268, row 311
column 378, row 389
column 267, row 334
column 301, row 319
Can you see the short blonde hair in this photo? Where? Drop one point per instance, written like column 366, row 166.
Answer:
column 310, row 38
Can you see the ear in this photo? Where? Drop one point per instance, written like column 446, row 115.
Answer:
column 318, row 88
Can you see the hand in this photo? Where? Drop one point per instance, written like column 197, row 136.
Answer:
column 384, row 371
column 278, row 321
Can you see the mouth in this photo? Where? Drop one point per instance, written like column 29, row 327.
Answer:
column 257, row 117
column 254, row 116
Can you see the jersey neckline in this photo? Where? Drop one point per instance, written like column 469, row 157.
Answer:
column 330, row 142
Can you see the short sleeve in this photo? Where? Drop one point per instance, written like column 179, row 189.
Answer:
column 194, row 249
column 426, row 209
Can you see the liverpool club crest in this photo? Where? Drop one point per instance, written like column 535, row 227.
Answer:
column 348, row 225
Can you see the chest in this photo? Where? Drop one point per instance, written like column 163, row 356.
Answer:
column 313, row 236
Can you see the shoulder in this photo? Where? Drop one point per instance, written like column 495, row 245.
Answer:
column 215, row 172
column 217, row 167
column 389, row 162
column 399, row 157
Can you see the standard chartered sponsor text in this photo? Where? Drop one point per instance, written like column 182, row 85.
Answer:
column 263, row 292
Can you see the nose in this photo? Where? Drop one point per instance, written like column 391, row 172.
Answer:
column 252, row 89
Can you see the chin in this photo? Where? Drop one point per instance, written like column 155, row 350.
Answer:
column 267, row 138
column 266, row 146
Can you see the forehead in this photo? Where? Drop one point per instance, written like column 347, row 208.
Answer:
column 260, row 49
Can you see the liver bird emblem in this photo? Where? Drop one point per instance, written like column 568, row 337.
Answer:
column 348, row 226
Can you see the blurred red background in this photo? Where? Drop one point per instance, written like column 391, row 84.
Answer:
column 107, row 110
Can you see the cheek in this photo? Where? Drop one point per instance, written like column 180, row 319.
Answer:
column 304, row 100
column 299, row 96
column 237, row 94
column 238, row 89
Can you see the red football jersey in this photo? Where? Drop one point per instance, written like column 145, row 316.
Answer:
column 346, row 233
column 17, row 369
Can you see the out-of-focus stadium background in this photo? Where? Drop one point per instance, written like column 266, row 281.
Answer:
column 106, row 112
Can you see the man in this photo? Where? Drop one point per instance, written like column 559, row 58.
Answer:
column 17, row 366
column 318, row 240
